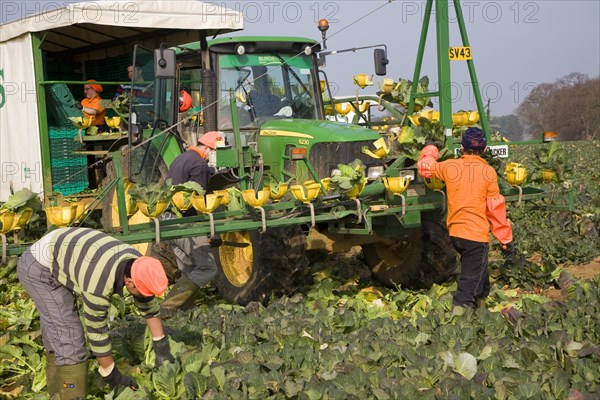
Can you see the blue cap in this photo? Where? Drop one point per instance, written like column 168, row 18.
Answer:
column 474, row 139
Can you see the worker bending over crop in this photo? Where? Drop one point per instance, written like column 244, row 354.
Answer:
column 474, row 202
column 83, row 262
column 194, row 257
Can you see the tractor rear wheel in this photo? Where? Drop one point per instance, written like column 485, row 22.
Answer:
column 254, row 266
column 425, row 258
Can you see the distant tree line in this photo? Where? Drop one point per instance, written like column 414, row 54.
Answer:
column 569, row 106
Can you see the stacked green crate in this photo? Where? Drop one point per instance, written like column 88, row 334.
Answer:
column 69, row 171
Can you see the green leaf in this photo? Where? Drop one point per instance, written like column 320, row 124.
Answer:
column 22, row 198
column 219, row 374
column 166, row 380
column 189, row 187
column 195, row 384
column 407, row 135
column 559, row 383
column 466, row 365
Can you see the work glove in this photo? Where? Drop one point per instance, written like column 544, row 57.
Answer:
column 215, row 242
column 508, row 250
column 78, row 105
column 162, row 352
column 117, row 379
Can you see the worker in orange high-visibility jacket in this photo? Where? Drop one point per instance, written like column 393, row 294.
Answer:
column 474, row 203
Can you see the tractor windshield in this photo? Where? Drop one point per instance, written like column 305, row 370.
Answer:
column 266, row 87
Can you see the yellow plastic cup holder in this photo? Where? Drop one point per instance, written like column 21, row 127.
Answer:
column 356, row 190
column 160, row 208
column 113, row 122
column 362, row 80
column 343, row 108
column 322, row 85
column 388, row 85
column 473, row 117
column 306, row 193
column 277, row 195
column 515, row 173
column 207, row 203
column 396, row 184
column 256, row 199
column 548, row 175
column 61, row 216
column 13, row 221
column 325, row 182
column 181, row 201
column 460, row 118
column 225, row 199
column 81, row 211
column 414, row 119
column 362, row 107
column 81, row 122
column 381, row 149
column 434, row 183
column 8, row 220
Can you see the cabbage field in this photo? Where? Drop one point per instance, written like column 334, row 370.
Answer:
column 346, row 337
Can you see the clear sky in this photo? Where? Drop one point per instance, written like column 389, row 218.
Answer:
column 516, row 44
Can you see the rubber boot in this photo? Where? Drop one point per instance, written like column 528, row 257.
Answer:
column 182, row 296
column 72, row 381
column 52, row 375
column 481, row 303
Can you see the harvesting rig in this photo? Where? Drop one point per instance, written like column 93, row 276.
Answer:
column 291, row 177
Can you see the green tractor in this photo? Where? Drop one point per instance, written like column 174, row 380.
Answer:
column 264, row 95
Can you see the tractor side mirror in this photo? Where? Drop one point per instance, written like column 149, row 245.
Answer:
column 381, row 62
column 164, row 63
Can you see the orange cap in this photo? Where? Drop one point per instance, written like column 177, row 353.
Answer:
column 210, row 139
column 96, row 86
column 149, row 276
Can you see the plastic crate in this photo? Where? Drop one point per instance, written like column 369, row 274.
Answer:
column 61, row 105
column 68, row 170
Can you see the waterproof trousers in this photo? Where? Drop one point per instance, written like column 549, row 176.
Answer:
column 474, row 280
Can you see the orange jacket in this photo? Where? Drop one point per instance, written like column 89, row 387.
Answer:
column 474, row 199
column 98, row 119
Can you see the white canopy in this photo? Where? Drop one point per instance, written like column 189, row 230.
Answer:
column 112, row 24
column 81, row 32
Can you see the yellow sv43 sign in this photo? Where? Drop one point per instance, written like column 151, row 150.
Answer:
column 460, row 53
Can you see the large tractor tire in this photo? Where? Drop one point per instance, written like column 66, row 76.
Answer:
column 254, row 266
column 425, row 258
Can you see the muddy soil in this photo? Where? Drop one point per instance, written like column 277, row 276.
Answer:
column 583, row 271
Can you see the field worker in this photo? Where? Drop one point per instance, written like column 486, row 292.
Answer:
column 83, row 262
column 90, row 105
column 194, row 257
column 140, row 92
column 474, row 202
column 261, row 98
column 185, row 100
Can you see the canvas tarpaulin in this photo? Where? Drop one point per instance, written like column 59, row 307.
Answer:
column 20, row 156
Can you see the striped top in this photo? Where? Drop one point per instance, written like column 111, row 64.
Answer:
column 90, row 263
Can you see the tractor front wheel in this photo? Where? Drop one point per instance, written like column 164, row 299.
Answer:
column 425, row 258
column 254, row 266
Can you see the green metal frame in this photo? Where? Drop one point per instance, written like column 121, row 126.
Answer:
column 36, row 42
column 443, row 62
